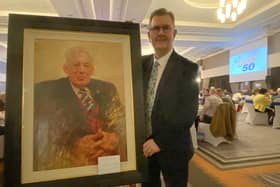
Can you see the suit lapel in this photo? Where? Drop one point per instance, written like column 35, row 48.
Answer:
column 168, row 73
column 67, row 99
column 93, row 90
column 147, row 71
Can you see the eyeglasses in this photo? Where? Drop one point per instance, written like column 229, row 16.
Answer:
column 165, row 28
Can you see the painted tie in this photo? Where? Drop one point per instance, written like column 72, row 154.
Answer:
column 150, row 97
column 86, row 98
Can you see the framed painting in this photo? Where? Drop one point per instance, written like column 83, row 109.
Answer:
column 74, row 103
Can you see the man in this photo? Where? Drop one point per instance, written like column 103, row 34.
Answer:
column 77, row 119
column 171, row 105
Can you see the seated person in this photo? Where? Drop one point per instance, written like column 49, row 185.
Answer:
column 254, row 92
column 277, row 96
column 221, row 94
column 237, row 97
column 261, row 103
column 210, row 106
column 202, row 95
column 2, row 117
column 2, row 109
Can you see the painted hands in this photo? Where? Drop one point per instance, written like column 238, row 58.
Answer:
column 89, row 147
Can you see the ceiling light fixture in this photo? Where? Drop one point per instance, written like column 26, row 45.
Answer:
column 230, row 9
column 203, row 5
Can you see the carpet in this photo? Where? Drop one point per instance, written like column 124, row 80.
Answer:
column 268, row 179
column 204, row 174
column 254, row 145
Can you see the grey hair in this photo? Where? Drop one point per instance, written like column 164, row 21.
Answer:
column 73, row 52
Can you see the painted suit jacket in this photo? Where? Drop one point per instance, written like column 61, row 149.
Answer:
column 59, row 120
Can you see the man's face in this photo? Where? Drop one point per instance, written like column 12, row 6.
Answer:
column 162, row 33
column 79, row 70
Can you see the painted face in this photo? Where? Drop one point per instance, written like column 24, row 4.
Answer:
column 162, row 34
column 79, row 69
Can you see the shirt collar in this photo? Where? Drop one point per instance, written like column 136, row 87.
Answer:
column 76, row 90
column 163, row 60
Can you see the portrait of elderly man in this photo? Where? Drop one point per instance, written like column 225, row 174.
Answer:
column 77, row 118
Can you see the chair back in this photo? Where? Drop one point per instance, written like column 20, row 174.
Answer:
column 255, row 118
column 223, row 123
column 276, row 120
column 246, row 102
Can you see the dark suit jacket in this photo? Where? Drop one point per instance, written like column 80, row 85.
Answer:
column 59, row 120
column 176, row 103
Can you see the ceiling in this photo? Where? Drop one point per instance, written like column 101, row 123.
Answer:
column 200, row 34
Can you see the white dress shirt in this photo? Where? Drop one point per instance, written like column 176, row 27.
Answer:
column 162, row 64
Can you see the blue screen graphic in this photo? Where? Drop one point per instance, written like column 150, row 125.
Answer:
column 251, row 61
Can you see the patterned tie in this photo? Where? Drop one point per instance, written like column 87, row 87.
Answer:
column 150, row 97
column 86, row 98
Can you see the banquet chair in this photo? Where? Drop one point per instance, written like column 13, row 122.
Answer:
column 194, row 137
column 206, row 135
column 244, row 108
column 222, row 127
column 276, row 120
column 2, row 131
column 255, row 118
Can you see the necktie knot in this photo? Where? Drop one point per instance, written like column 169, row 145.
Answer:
column 156, row 64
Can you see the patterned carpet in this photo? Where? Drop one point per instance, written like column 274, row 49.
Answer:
column 255, row 145
column 204, row 174
column 268, row 179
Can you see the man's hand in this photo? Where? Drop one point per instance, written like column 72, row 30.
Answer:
column 150, row 147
